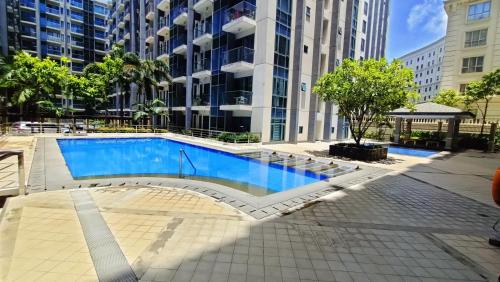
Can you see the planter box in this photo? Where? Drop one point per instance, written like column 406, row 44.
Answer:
column 358, row 153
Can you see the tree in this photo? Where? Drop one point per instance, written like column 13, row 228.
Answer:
column 150, row 109
column 482, row 92
column 366, row 90
column 32, row 80
column 448, row 97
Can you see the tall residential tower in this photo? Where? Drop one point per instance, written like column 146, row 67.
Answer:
column 250, row 65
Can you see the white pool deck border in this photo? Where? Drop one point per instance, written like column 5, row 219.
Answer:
column 49, row 172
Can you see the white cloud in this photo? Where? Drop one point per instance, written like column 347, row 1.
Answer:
column 429, row 16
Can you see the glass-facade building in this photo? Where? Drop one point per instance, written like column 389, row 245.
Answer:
column 243, row 65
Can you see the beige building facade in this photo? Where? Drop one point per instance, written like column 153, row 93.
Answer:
column 472, row 45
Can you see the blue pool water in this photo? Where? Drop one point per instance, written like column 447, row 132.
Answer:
column 411, row 152
column 108, row 157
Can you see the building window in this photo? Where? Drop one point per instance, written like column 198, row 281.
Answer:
column 365, row 8
column 301, row 129
column 479, row 11
column 308, row 13
column 475, row 38
column 362, row 45
column 306, row 49
column 364, row 26
column 303, row 87
column 472, row 64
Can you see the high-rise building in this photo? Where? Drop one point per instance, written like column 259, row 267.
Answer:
column 472, row 45
column 250, row 65
column 75, row 29
column 427, row 64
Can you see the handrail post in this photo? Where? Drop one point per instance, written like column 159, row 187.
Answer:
column 180, row 163
column 20, row 166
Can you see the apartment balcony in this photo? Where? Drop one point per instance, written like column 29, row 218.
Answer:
column 150, row 12
column 53, row 25
column 163, row 5
column 30, row 33
column 77, row 57
column 121, row 22
column 150, row 37
column 201, row 103
column 77, row 4
column 29, row 19
column 127, row 36
column 201, row 6
column 163, row 28
column 52, row 11
column 203, row 34
column 121, row 5
column 201, row 69
column 240, row 19
column 179, row 15
column 237, row 101
column 163, row 52
column 238, row 60
column 179, row 74
column 77, row 44
column 28, row 5
column 75, row 18
column 127, row 16
column 52, row 38
column 179, row 44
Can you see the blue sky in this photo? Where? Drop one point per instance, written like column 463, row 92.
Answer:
column 413, row 24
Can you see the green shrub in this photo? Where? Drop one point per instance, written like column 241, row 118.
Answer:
column 238, row 137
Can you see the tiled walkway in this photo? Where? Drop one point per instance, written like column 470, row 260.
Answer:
column 392, row 229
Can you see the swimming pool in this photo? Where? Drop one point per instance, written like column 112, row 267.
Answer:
column 108, row 157
column 411, row 152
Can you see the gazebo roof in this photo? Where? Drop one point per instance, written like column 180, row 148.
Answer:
column 431, row 111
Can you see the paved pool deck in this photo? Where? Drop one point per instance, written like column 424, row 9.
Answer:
column 419, row 220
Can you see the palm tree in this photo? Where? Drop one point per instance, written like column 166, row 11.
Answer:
column 151, row 73
column 150, row 109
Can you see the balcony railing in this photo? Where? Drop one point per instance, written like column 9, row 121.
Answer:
column 178, row 71
column 77, row 43
column 76, row 29
column 149, row 32
column 28, row 18
column 178, row 41
column 163, row 49
column 56, row 52
column 77, row 17
column 53, row 38
column 202, row 65
column 53, row 24
column 242, row 9
column 51, row 10
column 163, row 22
column 29, row 32
column 177, row 11
column 77, row 56
column 203, row 29
column 201, row 100
column 27, row 3
column 237, row 97
column 77, row 4
column 238, row 55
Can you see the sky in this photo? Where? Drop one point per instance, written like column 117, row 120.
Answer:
column 414, row 24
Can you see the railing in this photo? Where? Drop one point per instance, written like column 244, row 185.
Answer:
column 149, row 32
column 237, row 97
column 237, row 55
column 77, row 4
column 4, row 154
column 178, row 40
column 25, row 3
column 28, row 18
column 215, row 134
column 201, row 100
column 76, row 29
column 163, row 22
column 53, row 24
column 54, row 38
column 77, row 43
column 149, row 9
column 202, row 65
column 242, row 9
column 163, row 49
column 203, row 29
column 181, row 153
column 54, row 11
column 177, row 11
column 179, row 71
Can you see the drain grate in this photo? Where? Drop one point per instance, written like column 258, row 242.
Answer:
column 109, row 262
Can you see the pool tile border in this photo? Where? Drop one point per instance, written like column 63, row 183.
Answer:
column 49, row 172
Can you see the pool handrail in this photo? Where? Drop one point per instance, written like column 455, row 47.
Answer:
column 182, row 152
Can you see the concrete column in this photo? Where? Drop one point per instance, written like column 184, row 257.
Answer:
column 262, row 85
column 451, row 137
column 142, row 29
column 408, row 128
column 397, row 130
column 491, row 140
column 189, row 64
column 3, row 28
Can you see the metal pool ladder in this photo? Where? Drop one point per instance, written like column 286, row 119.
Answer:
column 181, row 153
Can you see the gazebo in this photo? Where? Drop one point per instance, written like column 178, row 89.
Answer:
column 431, row 110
